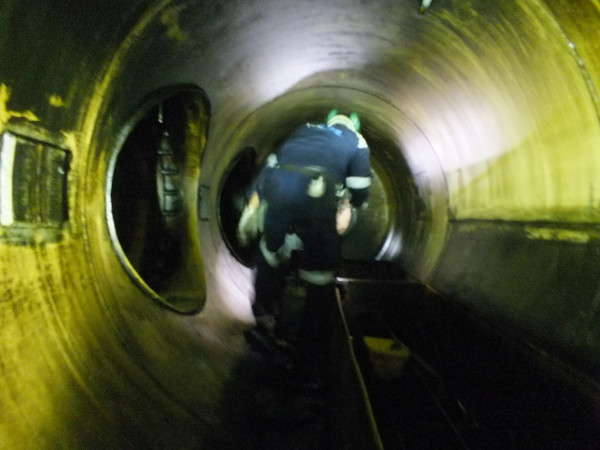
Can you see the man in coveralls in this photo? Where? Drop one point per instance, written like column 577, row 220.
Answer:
column 309, row 186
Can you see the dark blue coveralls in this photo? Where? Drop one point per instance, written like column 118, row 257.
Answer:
column 341, row 157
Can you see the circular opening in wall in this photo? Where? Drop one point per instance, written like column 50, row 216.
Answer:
column 380, row 229
column 151, row 200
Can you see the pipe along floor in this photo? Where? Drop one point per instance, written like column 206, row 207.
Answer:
column 410, row 370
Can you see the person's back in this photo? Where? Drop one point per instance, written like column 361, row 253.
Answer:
column 335, row 149
column 313, row 172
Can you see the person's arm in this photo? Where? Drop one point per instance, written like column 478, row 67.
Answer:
column 247, row 229
column 254, row 201
column 250, row 223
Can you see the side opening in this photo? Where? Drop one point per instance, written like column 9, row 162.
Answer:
column 152, row 199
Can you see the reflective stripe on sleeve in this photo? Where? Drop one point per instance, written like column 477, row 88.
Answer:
column 271, row 257
column 358, row 182
column 361, row 141
column 317, row 277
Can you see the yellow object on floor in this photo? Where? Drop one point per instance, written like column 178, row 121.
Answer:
column 388, row 356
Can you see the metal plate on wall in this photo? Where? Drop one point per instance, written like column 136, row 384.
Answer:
column 33, row 189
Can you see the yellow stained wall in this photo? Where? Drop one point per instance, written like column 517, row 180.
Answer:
column 515, row 123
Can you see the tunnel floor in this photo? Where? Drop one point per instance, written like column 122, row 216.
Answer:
column 265, row 410
column 267, row 405
column 462, row 383
column 447, row 380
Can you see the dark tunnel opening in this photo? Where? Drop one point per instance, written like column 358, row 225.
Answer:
column 375, row 236
column 395, row 207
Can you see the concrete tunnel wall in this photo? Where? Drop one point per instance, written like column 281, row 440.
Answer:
column 492, row 106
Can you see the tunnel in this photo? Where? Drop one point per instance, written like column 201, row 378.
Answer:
column 130, row 129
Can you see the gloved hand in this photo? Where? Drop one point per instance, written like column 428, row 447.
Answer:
column 343, row 218
column 292, row 242
column 248, row 226
column 284, row 253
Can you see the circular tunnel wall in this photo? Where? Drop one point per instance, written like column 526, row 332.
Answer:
column 484, row 123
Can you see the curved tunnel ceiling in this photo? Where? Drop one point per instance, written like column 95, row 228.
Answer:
column 485, row 121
